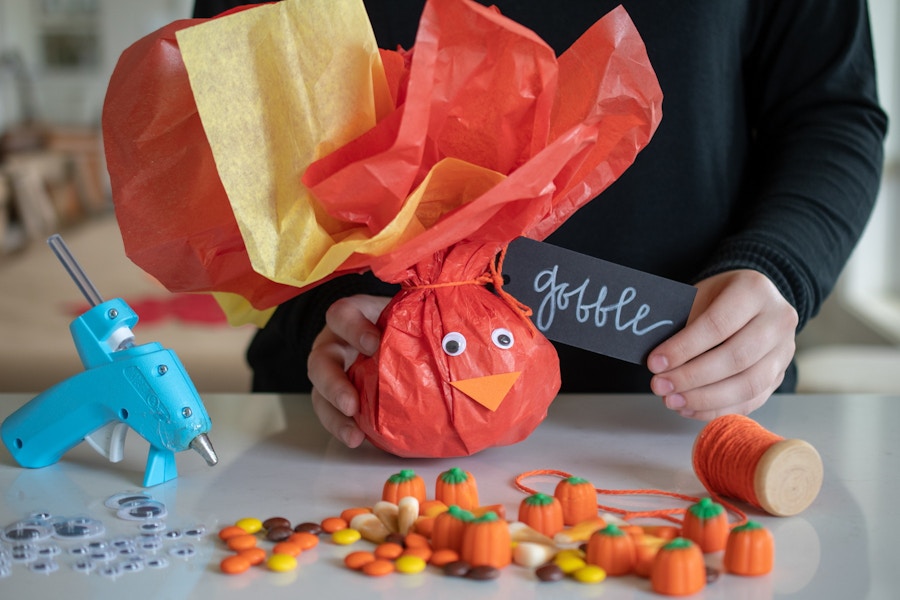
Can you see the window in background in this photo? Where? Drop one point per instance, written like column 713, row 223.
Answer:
column 69, row 35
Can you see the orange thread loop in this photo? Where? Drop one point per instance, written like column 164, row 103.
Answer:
column 493, row 276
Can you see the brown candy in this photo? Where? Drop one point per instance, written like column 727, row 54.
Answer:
column 279, row 533
column 712, row 574
column 276, row 522
column 313, row 528
column 457, row 568
column 549, row 572
column 483, row 573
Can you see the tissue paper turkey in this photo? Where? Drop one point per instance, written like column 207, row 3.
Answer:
column 485, row 136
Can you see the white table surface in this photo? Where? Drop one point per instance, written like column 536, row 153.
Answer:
column 275, row 460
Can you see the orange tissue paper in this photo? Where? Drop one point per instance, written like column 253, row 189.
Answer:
column 277, row 147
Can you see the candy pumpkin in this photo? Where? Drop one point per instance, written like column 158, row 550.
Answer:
column 678, row 569
column 578, row 499
column 486, row 542
column 448, row 528
column 402, row 484
column 456, row 486
column 542, row 513
column 706, row 524
column 750, row 550
column 613, row 550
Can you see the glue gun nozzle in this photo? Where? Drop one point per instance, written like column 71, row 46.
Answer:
column 204, row 448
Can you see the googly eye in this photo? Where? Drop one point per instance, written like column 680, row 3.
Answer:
column 454, row 343
column 126, row 500
column 502, row 338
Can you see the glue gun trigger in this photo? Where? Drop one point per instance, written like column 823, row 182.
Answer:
column 109, row 440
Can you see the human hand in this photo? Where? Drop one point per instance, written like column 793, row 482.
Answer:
column 733, row 352
column 349, row 330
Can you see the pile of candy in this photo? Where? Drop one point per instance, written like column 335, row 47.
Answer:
column 557, row 536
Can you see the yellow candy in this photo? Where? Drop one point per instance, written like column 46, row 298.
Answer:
column 570, row 553
column 409, row 564
column 589, row 574
column 250, row 525
column 281, row 563
column 569, row 562
column 345, row 537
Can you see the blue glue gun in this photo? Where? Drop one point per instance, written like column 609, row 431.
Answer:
column 144, row 387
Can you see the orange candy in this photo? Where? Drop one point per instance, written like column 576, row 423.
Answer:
column 332, row 524
column 416, row 540
column 423, row 552
column 388, row 550
column 287, row 547
column 255, row 555
column 378, row 567
column 442, row 557
column 230, row 531
column 424, row 526
column 241, row 542
column 348, row 513
column 234, row 564
column 304, row 539
column 357, row 560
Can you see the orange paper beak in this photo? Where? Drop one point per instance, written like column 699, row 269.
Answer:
column 488, row 391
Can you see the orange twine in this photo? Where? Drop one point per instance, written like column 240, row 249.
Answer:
column 493, row 276
column 726, row 454
column 725, row 457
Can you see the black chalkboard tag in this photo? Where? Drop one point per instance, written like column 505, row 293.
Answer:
column 594, row 304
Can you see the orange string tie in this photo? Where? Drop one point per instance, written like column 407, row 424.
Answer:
column 494, row 277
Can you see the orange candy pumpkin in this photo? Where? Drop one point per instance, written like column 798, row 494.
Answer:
column 750, row 550
column 578, row 499
column 706, row 524
column 456, row 486
column 447, row 532
column 402, row 484
column 542, row 513
column 613, row 550
column 678, row 569
column 486, row 542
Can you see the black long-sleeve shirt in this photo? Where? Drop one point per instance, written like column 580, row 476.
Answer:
column 768, row 157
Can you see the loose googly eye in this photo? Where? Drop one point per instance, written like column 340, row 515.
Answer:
column 454, row 343
column 502, row 338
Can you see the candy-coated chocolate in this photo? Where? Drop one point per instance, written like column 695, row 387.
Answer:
column 273, row 522
column 230, row 531
column 249, row 524
column 457, row 568
column 346, row 536
column 589, row 574
column 378, row 567
column 241, row 542
column 279, row 533
column 289, row 548
column 483, row 573
column 388, row 550
column 308, row 527
column 409, row 564
column 358, row 559
column 281, row 563
column 332, row 524
column 549, row 572
column 255, row 555
column 304, row 539
column 234, row 564
column 444, row 556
